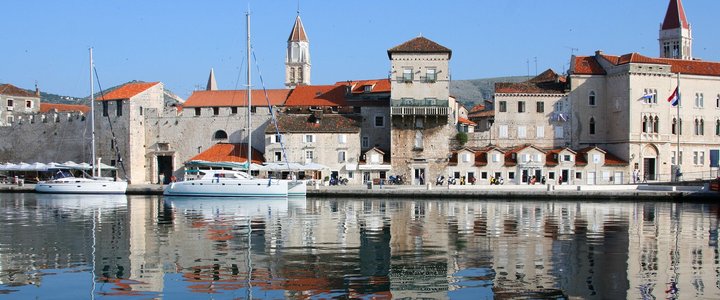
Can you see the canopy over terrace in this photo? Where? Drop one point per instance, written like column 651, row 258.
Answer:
column 307, row 171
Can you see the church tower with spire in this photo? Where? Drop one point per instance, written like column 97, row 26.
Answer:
column 297, row 62
column 675, row 33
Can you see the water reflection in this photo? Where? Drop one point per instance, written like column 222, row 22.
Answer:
column 356, row 248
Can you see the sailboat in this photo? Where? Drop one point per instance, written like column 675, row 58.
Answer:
column 232, row 183
column 66, row 183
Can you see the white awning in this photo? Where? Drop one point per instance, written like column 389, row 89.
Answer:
column 351, row 167
column 375, row 167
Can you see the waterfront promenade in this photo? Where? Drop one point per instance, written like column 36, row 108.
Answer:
column 514, row 192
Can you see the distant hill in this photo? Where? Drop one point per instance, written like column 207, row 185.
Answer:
column 474, row 91
column 170, row 97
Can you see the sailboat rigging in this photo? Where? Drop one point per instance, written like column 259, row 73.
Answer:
column 231, row 183
column 65, row 183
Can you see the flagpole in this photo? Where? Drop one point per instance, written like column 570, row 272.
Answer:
column 679, row 124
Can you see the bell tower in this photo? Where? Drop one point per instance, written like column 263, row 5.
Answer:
column 297, row 61
column 675, row 33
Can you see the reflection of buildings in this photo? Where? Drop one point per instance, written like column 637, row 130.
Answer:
column 375, row 247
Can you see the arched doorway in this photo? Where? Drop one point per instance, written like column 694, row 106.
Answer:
column 650, row 157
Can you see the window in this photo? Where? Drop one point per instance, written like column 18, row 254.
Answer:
column 419, row 123
column 496, row 157
column 119, row 107
column 559, row 106
column 367, row 88
column 276, row 138
column 341, row 156
column 309, row 138
column 141, row 110
column 511, row 175
column 699, row 127
column 699, row 100
column 277, row 155
column 105, row 108
column 540, row 106
column 10, row 119
column 596, row 158
column 540, row 132
column 578, row 175
column 483, row 175
column 379, row 121
column 702, row 157
column 566, row 157
column 645, row 124
column 430, row 75
column 559, row 133
column 656, row 125
column 503, row 131
column 591, row 98
column 365, row 142
column 308, row 156
column 551, row 175
column 216, row 111
column 407, row 75
column 502, row 106
column 233, row 110
column 717, row 101
column 465, row 157
column 220, row 134
column 28, row 104
column 717, row 127
column 674, row 126
column 197, row 111
column 696, row 158
column 521, row 106
column 521, row 132
column 375, row 158
column 592, row 125
column 650, row 96
column 253, row 109
column 351, row 174
column 342, row 139
column 673, row 157
column 10, row 104
column 418, row 139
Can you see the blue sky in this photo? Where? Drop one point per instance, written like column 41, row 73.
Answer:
column 177, row 42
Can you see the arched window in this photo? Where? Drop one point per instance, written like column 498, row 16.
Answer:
column 680, row 126
column 656, row 125
column 644, row 124
column 591, row 98
column 702, row 127
column 418, row 139
column 674, row 126
column 220, row 135
column 592, row 125
column 717, row 127
column 697, row 127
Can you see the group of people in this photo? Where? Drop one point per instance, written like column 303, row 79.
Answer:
column 533, row 179
column 451, row 181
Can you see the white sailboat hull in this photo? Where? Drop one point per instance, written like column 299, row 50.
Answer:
column 297, row 188
column 81, row 186
column 228, row 187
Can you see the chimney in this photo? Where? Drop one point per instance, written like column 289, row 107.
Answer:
column 37, row 90
column 598, row 52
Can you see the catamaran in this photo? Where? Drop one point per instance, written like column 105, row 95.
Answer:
column 66, row 183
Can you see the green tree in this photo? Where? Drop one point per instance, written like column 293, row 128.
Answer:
column 462, row 138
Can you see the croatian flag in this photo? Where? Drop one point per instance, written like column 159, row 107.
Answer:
column 674, row 98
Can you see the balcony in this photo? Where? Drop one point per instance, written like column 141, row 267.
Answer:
column 429, row 106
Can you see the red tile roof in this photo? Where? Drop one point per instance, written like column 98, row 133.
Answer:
column 127, row 91
column 587, row 65
column 675, row 16
column 694, row 67
column 11, row 90
column 466, row 121
column 298, row 32
column 358, row 86
column 47, row 107
column 547, row 82
column 317, row 95
column 477, row 108
column 419, row 45
column 224, row 152
column 229, row 98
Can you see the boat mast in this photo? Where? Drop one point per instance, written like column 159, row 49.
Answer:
column 92, row 113
column 249, row 97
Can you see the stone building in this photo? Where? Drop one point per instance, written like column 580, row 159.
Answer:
column 297, row 61
column 423, row 115
column 16, row 102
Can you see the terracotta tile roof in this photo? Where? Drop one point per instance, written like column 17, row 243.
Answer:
column 127, row 91
column 225, row 152
column 612, row 160
column 328, row 123
column 587, row 65
column 481, row 114
column 477, row 108
column 317, row 95
column 551, row 157
column 419, row 45
column 466, row 121
column 11, row 90
column 47, row 107
column 297, row 34
column 229, row 98
column 358, row 86
column 481, row 158
column 675, row 16
column 694, row 67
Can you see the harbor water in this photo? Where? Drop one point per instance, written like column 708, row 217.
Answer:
column 150, row 247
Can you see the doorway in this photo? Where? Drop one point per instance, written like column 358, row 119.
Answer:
column 420, row 176
column 648, row 168
column 165, row 168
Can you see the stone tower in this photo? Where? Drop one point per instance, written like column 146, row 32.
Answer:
column 297, row 62
column 675, row 33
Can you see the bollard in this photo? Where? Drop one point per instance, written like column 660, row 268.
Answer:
column 549, row 188
column 578, row 188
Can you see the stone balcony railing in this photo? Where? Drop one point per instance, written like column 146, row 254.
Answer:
column 403, row 107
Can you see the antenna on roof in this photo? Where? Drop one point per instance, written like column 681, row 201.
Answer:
column 298, row 8
column 536, row 66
